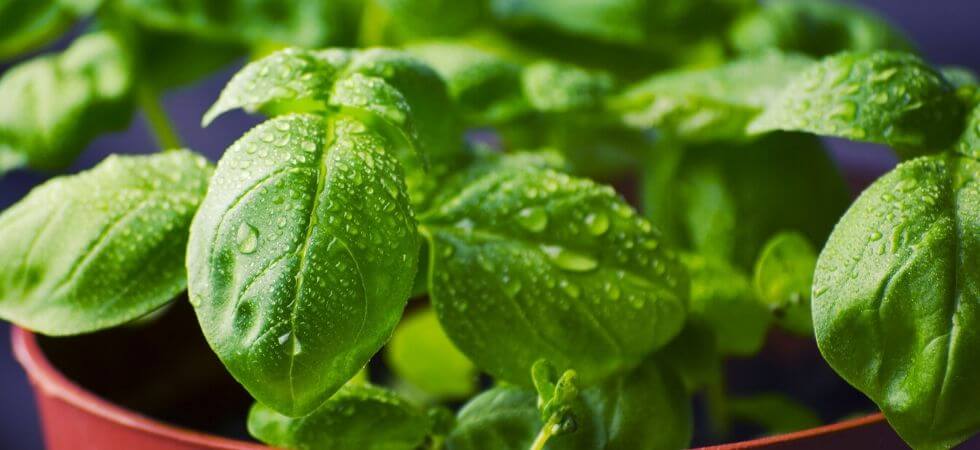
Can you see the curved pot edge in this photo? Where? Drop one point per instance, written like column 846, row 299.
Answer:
column 786, row 438
column 49, row 381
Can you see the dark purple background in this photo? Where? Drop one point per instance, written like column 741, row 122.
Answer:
column 945, row 30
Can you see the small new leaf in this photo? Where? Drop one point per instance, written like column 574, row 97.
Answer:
column 895, row 298
column 302, row 257
column 784, row 278
column 883, row 97
column 100, row 248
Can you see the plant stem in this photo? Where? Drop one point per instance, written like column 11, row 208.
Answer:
column 547, row 431
column 160, row 125
column 717, row 406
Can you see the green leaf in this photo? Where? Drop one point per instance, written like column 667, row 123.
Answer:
column 959, row 76
column 883, row 97
column 693, row 355
column 388, row 90
column 528, row 264
column 166, row 59
column 506, row 417
column 784, row 278
column 303, row 23
column 291, row 80
column 29, row 24
column 969, row 142
column 421, row 354
column 625, row 22
column 55, row 105
column 101, row 248
column 647, row 409
column 776, row 413
column 359, row 416
column 709, row 104
column 895, row 298
column 486, row 87
column 302, row 256
column 413, row 19
column 560, row 88
column 502, row 418
column 818, row 28
column 725, row 206
column 719, row 293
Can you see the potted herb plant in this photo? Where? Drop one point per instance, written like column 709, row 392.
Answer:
column 593, row 324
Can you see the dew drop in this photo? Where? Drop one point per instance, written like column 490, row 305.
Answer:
column 569, row 260
column 532, row 219
column 597, row 223
column 512, row 287
column 248, row 238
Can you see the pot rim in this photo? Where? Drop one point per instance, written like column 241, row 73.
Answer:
column 50, row 381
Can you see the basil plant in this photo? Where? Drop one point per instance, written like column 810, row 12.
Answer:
column 559, row 315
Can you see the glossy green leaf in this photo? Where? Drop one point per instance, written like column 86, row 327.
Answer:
column 817, row 28
column 290, row 80
column 714, row 103
column 485, row 162
column 28, row 24
column 895, row 298
column 359, row 416
column 421, row 354
column 501, row 418
column 719, row 294
column 784, row 278
column 883, row 97
column 390, row 91
column 647, row 409
column 101, row 248
column 304, row 23
column 775, row 413
column 54, row 105
column 693, row 355
column 725, row 205
column 529, row 264
column 487, row 87
column 302, row 256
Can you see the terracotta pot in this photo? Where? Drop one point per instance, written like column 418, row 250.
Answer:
column 72, row 417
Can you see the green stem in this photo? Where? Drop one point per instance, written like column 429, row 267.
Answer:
column 717, row 405
column 547, row 431
column 160, row 125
